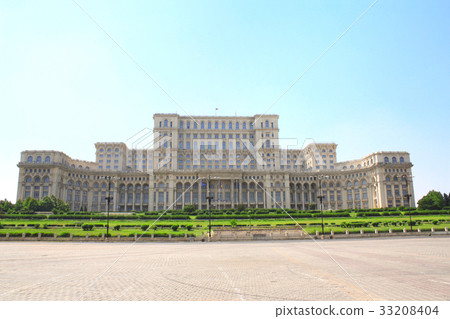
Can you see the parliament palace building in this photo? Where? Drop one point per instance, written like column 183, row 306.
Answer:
column 235, row 159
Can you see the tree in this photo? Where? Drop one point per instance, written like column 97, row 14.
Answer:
column 240, row 207
column 447, row 199
column 18, row 206
column 51, row 203
column 30, row 205
column 190, row 208
column 47, row 203
column 432, row 200
column 6, row 205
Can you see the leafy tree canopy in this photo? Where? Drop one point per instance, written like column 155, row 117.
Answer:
column 432, row 200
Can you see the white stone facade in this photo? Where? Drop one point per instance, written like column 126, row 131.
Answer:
column 236, row 159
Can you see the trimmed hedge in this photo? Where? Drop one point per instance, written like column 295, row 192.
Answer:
column 23, row 216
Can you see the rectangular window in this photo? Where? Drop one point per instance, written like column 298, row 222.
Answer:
column 278, row 196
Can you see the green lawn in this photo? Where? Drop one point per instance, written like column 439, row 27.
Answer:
column 163, row 227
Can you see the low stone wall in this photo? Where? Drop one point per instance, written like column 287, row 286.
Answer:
column 118, row 238
column 258, row 234
column 236, row 235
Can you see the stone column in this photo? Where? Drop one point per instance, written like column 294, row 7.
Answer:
column 90, row 194
column 295, row 196
column 115, row 197
column 232, row 193
column 133, row 200
column 264, row 197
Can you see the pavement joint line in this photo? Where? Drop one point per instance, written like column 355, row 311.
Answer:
column 133, row 243
column 316, row 242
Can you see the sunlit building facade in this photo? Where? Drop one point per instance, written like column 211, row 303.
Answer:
column 237, row 160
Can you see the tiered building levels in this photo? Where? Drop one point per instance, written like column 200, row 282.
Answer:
column 238, row 160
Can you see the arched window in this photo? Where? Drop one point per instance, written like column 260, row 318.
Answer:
column 116, row 150
column 181, row 124
column 277, row 185
column 85, row 184
column 37, row 179
column 46, row 179
column 349, row 184
column 209, row 125
column 356, row 183
column 388, row 179
column 195, row 125
column 165, row 123
column 28, row 179
column 216, row 125
column 202, row 125
column 80, row 167
column 230, row 126
column 70, row 183
column 395, row 179
column 30, row 159
column 394, row 160
column 386, row 159
column 267, row 124
column 244, row 126
column 237, row 125
column 95, row 185
column 188, row 124
column 364, row 182
column 402, row 159
column 104, row 185
column 160, row 124
column 223, row 125
column 331, row 185
column 251, row 125
column 38, row 159
column 77, row 184
column 47, row 159
column 267, row 144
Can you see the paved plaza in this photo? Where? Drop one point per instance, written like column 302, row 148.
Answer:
column 362, row 269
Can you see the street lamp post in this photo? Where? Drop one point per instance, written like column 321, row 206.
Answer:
column 408, row 197
column 209, row 198
column 108, row 200
column 320, row 197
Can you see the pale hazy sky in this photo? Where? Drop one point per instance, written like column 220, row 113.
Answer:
column 64, row 84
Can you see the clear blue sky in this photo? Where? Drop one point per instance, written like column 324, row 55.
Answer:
column 65, row 85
